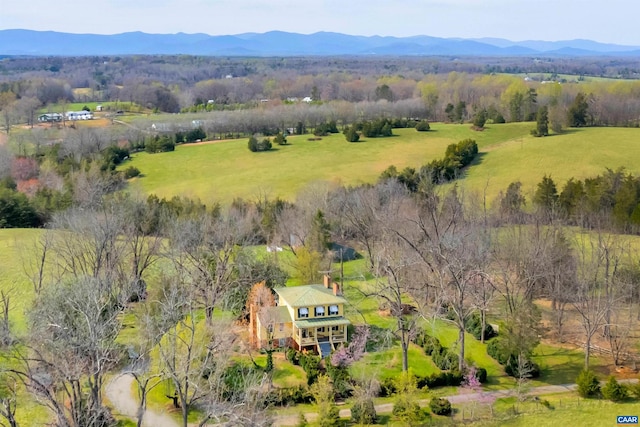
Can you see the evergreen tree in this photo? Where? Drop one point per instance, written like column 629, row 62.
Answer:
column 480, row 118
column 542, row 122
column 546, row 195
column 577, row 114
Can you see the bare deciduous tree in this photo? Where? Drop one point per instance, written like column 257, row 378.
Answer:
column 70, row 349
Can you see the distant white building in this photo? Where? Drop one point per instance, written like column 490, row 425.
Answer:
column 79, row 115
column 50, row 117
column 307, row 99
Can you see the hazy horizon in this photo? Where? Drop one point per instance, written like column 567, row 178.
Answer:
column 514, row 20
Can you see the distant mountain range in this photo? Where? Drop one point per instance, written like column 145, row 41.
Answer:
column 278, row 43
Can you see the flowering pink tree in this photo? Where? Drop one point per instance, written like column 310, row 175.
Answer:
column 345, row 356
column 471, row 385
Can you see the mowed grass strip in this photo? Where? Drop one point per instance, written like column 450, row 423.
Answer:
column 224, row 170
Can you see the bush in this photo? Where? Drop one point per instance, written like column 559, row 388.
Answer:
column 195, row 134
column 289, row 396
column 634, row 389
column 406, row 409
column 131, row 172
column 531, row 369
column 329, row 415
column 440, row 406
column 351, row 135
column 445, row 359
column 311, row 366
column 431, row 345
column 451, row 378
column 423, row 126
column 292, row 356
column 364, row 412
column 614, row 391
column 473, row 325
column 497, row 349
column 159, row 144
column 481, row 374
column 387, row 387
column 588, row 384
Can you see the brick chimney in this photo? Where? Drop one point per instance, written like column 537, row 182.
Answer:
column 326, row 281
column 336, row 289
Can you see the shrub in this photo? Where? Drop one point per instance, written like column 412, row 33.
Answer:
column 445, row 359
column 406, row 409
column 634, row 389
column 497, row 348
column 530, row 369
column 159, row 144
column 588, row 384
column 364, row 412
column 292, row 356
column 431, row 345
column 311, row 366
column 473, row 325
column 131, row 172
column 387, row 387
column 440, row 406
column 481, row 374
column 329, row 415
column 289, row 396
column 450, row 378
column 423, row 126
column 614, row 391
column 351, row 134
column 195, row 134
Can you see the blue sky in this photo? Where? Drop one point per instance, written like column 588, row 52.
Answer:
column 612, row 21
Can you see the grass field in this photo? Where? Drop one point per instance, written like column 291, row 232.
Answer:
column 227, row 169
column 578, row 153
column 224, row 170
column 566, row 410
column 14, row 247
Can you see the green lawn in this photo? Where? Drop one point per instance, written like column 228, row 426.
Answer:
column 568, row 410
column 227, row 169
column 579, row 153
column 16, row 246
column 388, row 364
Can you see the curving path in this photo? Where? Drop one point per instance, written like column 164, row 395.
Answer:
column 118, row 391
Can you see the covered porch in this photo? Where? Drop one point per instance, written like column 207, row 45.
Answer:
column 317, row 331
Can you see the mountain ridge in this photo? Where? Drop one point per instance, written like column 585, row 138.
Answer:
column 21, row 42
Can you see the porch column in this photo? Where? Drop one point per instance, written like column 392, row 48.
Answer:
column 331, row 334
column 300, row 337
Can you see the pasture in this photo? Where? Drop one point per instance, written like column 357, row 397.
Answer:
column 224, row 170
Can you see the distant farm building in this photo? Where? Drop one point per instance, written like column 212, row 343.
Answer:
column 79, row 115
column 50, row 118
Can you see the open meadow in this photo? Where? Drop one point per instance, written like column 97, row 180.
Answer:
column 223, row 170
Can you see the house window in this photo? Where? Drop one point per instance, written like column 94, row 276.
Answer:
column 319, row 311
column 321, row 329
column 303, row 312
column 281, row 326
column 335, row 328
column 270, row 328
column 333, row 310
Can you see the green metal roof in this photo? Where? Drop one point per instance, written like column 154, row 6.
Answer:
column 308, row 296
column 319, row 322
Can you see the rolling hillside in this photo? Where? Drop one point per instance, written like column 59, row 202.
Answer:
column 224, row 170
